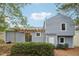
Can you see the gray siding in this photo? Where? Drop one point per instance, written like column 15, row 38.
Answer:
column 48, row 36
column 38, row 39
column 20, row 37
column 10, row 36
column 15, row 36
column 53, row 25
column 68, row 40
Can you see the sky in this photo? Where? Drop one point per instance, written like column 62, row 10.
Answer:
column 36, row 13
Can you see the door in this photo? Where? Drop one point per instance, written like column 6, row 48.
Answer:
column 28, row 37
column 52, row 39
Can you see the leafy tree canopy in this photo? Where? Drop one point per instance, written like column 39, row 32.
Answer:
column 11, row 10
column 71, row 9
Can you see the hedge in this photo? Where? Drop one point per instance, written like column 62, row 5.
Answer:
column 32, row 49
column 62, row 46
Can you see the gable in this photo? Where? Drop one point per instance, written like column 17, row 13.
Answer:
column 53, row 25
column 58, row 19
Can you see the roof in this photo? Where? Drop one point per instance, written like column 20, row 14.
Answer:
column 61, row 16
column 32, row 29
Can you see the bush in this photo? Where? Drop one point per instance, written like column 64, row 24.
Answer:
column 32, row 49
column 1, row 41
column 62, row 46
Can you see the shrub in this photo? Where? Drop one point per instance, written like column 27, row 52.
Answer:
column 62, row 46
column 1, row 41
column 32, row 49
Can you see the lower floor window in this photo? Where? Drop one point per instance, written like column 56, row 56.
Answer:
column 61, row 40
column 38, row 34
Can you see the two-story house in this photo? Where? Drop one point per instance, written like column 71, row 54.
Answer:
column 58, row 29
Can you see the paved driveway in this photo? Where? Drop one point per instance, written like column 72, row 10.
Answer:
column 68, row 52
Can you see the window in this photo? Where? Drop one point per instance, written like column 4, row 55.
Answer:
column 38, row 34
column 61, row 40
column 63, row 26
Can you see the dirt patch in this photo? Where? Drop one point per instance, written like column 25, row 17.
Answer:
column 67, row 52
column 5, row 49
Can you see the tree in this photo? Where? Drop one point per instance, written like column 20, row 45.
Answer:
column 11, row 10
column 71, row 9
column 24, row 23
column 3, row 24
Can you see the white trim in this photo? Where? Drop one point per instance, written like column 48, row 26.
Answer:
column 46, row 38
column 65, row 27
column 60, row 42
column 36, row 34
column 56, row 41
column 45, row 25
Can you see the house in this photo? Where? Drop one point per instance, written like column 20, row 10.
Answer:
column 76, row 36
column 76, row 39
column 56, row 30
column 21, row 35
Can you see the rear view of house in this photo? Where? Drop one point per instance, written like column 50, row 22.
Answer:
column 56, row 30
column 59, row 30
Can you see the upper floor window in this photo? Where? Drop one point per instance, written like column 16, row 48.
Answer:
column 63, row 27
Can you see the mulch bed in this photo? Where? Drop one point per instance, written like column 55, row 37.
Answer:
column 67, row 52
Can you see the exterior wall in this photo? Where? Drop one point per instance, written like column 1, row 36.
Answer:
column 10, row 36
column 20, row 37
column 68, row 40
column 15, row 36
column 48, row 36
column 53, row 25
column 38, row 39
column 76, row 39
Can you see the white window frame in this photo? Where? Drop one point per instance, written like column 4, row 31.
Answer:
column 65, row 27
column 60, row 39
column 36, row 34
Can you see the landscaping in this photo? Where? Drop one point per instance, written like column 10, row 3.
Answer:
column 5, row 49
column 32, row 49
